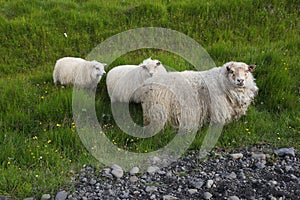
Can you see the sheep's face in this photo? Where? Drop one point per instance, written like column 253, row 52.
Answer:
column 97, row 69
column 239, row 73
column 151, row 66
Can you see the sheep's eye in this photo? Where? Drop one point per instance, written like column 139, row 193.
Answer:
column 158, row 63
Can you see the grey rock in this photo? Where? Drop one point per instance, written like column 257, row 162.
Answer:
column 272, row 198
column 207, row 195
column 272, row 182
column 231, row 175
column 46, row 197
column 117, row 171
column 134, row 171
column 236, row 155
column 197, row 183
column 209, row 183
column 261, row 164
column 115, row 166
column 133, row 179
column 233, row 198
column 288, row 168
column 285, row 152
column 169, row 197
column 84, row 180
column 62, row 195
column 293, row 177
column 93, row 181
column 152, row 169
column 259, row 156
column 192, row 191
column 151, row 189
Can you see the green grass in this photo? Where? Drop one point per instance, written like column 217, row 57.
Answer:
column 39, row 144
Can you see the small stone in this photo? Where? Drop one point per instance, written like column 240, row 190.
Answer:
column 258, row 156
column 115, row 166
column 293, row 177
column 153, row 197
column 288, row 168
column 84, row 180
column 272, row 182
column 207, row 195
column 242, row 175
column 133, row 179
column 285, row 152
column 169, row 197
column 62, row 195
column 198, row 183
column 3, row 198
column 134, row 171
column 232, row 175
column 107, row 173
column 261, row 164
column 233, row 198
column 236, row 155
column 152, row 169
column 209, row 183
column 151, row 189
column 93, row 181
column 46, row 197
column 118, row 173
column 125, row 194
column 192, row 191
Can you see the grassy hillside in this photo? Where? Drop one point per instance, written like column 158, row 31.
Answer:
column 38, row 141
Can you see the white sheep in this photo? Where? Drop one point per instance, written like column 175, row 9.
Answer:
column 77, row 71
column 218, row 95
column 122, row 81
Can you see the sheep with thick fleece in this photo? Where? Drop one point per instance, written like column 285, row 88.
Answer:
column 122, row 81
column 221, row 94
column 78, row 72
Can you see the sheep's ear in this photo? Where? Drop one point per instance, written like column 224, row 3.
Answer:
column 251, row 68
column 229, row 67
column 143, row 66
column 104, row 64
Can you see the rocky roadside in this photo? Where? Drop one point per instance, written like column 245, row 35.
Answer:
column 246, row 173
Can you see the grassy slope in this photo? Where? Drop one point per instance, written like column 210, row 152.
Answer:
column 38, row 141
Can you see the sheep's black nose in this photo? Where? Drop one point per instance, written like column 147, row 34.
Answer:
column 240, row 80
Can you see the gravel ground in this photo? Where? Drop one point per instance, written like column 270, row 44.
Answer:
column 245, row 173
column 248, row 173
